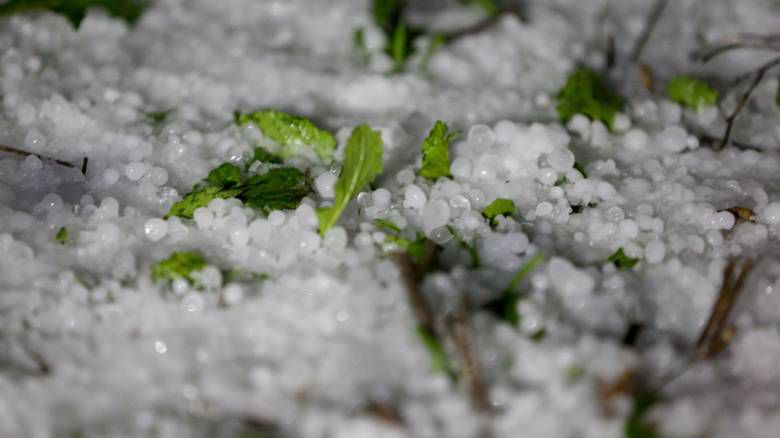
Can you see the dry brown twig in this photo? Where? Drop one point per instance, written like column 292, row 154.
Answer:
column 15, row 151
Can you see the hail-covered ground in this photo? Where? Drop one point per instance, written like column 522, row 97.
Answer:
column 317, row 337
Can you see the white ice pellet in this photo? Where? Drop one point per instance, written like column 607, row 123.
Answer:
column 239, row 235
column 580, row 125
column 276, row 218
column 673, row 138
column 635, row 140
column 155, row 229
column 414, row 197
column 481, row 136
column 336, row 238
column 544, row 208
column 605, row 190
column 158, row 176
column 381, row 197
column 450, row 188
column 233, row 294
column 107, row 233
column 461, row 167
column 324, row 184
column 110, row 176
column 547, row 176
column 655, row 251
column 26, row 114
column 306, row 216
column 135, row 170
column 622, row 122
column 628, row 228
column 561, row 159
column 771, row 214
column 218, row 206
column 435, row 214
column 405, row 176
column 259, row 230
column 203, row 218
column 31, row 163
column 35, row 140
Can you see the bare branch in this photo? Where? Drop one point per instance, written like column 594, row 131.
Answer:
column 652, row 21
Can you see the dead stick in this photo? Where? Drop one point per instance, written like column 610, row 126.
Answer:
column 732, row 118
column 42, row 157
column 650, row 24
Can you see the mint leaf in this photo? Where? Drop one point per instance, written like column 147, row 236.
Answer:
column 691, row 92
column 62, row 236
column 499, row 207
column 199, row 197
column 264, row 156
column 362, row 163
column 224, row 176
column 293, row 134
column 585, row 93
column 278, row 189
column 436, row 152
column 621, row 260
column 76, row 10
column 178, row 265
column 505, row 306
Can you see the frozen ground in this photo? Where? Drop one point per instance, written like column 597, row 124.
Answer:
column 325, row 346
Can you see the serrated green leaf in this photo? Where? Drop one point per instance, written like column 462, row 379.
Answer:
column 292, row 133
column 691, row 92
column 178, row 265
column 621, row 260
column 62, row 236
column 362, row 163
column 278, row 189
column 76, row 10
column 224, row 176
column 199, row 197
column 585, row 93
column 436, row 152
column 264, row 156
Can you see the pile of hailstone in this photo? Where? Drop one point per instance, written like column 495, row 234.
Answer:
column 295, row 219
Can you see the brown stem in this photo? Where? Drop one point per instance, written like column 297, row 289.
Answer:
column 24, row 153
column 461, row 331
column 652, row 21
column 758, row 76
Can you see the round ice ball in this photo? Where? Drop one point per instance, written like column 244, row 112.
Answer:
column 155, row 229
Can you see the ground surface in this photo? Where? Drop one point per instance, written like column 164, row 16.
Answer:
column 325, row 346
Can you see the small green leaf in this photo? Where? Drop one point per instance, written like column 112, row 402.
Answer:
column 224, row 176
column 387, row 225
column 262, row 155
column 636, row 425
column 505, row 306
column 293, row 134
column 62, row 236
column 499, row 207
column 585, row 93
column 539, row 335
column 389, row 16
column 440, row 362
column 199, row 197
column 362, row 163
column 691, row 92
column 158, row 117
column 178, row 265
column 579, row 168
column 621, row 260
column 76, row 10
column 278, row 189
column 436, row 152
column 489, row 6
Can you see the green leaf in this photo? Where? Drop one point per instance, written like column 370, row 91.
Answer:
column 636, row 425
column 278, row 189
column 387, row 225
column 362, row 163
column 262, row 155
column 579, row 168
column 158, row 117
column 199, row 197
column 489, row 6
column 585, row 93
column 505, row 306
column 621, row 260
column 691, row 92
column 440, row 362
column 436, row 152
column 224, row 176
column 539, row 335
column 293, row 134
column 62, row 236
column 178, row 265
column 76, row 10
column 389, row 16
column 499, row 207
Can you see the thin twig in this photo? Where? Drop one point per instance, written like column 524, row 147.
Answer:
column 758, row 77
column 717, row 333
column 24, row 153
column 647, row 31
column 461, row 331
